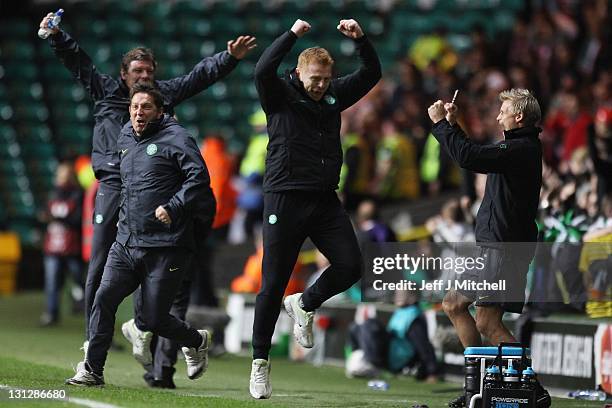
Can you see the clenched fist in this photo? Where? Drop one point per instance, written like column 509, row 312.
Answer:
column 162, row 215
column 300, row 27
column 436, row 111
column 350, row 28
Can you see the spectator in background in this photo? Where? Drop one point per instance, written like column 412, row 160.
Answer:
column 203, row 299
column 250, row 198
column 600, row 149
column 250, row 280
column 357, row 169
column 62, row 246
column 409, row 343
column 396, row 175
column 369, row 226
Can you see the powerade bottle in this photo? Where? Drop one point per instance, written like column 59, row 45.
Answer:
column 492, row 377
column 510, row 377
column 378, row 385
column 44, row 33
column 528, row 379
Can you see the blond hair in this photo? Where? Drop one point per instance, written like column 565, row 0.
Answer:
column 314, row 54
column 523, row 101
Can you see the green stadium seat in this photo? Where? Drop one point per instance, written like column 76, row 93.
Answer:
column 34, row 132
column 157, row 11
column 28, row 233
column 17, row 28
column 33, row 111
column 74, row 132
column 186, row 111
column 56, row 73
column 193, row 26
column 190, row 8
column 24, row 92
column 19, row 71
column 17, row 50
column 124, row 27
column 72, row 113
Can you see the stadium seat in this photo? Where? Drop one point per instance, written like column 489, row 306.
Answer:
column 186, row 111
column 33, row 111
column 18, row 50
column 20, row 71
column 72, row 112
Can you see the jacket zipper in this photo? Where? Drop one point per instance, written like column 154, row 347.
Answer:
column 319, row 115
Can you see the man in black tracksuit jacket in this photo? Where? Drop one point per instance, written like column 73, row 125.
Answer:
column 302, row 172
column 165, row 188
column 507, row 215
column 110, row 98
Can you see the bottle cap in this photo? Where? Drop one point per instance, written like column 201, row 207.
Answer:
column 493, row 370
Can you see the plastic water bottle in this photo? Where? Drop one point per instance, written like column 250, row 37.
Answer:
column 528, row 379
column 53, row 23
column 378, row 385
column 589, row 395
column 492, row 378
column 510, row 376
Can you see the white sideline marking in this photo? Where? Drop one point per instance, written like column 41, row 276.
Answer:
column 78, row 401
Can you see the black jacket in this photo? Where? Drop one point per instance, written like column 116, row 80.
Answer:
column 304, row 151
column 162, row 167
column 111, row 97
column 514, row 178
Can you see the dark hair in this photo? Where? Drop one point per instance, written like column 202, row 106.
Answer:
column 137, row 54
column 158, row 99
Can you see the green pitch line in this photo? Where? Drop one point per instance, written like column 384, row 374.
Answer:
column 36, row 358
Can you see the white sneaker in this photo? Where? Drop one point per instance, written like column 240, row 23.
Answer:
column 302, row 328
column 141, row 342
column 197, row 359
column 259, row 386
column 84, row 378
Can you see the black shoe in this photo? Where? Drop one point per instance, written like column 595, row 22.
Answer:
column 458, row 402
column 542, row 397
column 165, row 382
column 149, row 379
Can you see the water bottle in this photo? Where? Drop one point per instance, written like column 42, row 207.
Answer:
column 492, row 378
column 528, row 379
column 510, row 376
column 53, row 23
column 589, row 395
column 472, row 377
column 378, row 385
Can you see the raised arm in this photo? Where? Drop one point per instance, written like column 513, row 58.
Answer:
column 487, row 158
column 352, row 87
column 208, row 71
column 269, row 85
column 76, row 60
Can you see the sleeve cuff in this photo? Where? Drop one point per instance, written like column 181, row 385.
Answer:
column 441, row 123
column 362, row 39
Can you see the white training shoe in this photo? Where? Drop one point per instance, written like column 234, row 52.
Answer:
column 197, row 359
column 84, row 378
column 302, row 328
column 259, row 385
column 141, row 342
